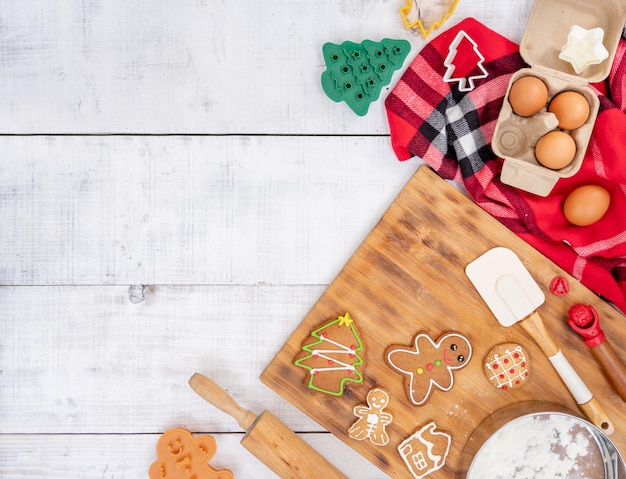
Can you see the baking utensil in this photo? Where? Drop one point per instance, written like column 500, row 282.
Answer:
column 585, row 320
column 267, row 438
column 529, row 437
column 407, row 276
column 513, row 296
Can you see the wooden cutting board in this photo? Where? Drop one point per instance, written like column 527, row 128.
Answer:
column 408, row 277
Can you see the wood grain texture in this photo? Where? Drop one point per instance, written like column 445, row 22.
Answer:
column 86, row 360
column 408, row 277
column 216, row 179
column 289, row 456
column 111, row 456
column 194, row 66
column 267, row 437
column 189, row 210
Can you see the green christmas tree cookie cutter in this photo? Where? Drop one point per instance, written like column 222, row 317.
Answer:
column 357, row 72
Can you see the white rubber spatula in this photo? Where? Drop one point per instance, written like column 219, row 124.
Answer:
column 513, row 296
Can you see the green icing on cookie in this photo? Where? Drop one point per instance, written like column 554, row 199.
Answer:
column 332, row 356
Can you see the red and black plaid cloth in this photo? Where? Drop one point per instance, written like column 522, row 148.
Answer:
column 451, row 131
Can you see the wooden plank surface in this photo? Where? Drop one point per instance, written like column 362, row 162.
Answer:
column 408, row 277
column 73, row 356
column 90, row 380
column 191, row 66
column 189, row 210
column 88, row 456
column 173, row 181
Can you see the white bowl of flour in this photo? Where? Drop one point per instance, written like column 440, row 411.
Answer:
column 544, row 444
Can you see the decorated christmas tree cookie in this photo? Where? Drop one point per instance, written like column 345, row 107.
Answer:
column 357, row 72
column 332, row 356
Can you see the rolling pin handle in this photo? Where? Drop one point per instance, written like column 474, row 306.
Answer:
column 219, row 398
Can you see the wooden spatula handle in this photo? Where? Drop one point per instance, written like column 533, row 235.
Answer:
column 596, row 415
column 536, row 329
column 214, row 394
column 534, row 326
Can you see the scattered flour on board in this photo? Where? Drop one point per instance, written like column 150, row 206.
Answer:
column 540, row 447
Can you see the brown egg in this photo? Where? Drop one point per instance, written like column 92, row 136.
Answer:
column 571, row 109
column 586, row 205
column 555, row 150
column 528, row 95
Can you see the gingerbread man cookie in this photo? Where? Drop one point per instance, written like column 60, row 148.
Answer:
column 181, row 456
column 372, row 419
column 429, row 364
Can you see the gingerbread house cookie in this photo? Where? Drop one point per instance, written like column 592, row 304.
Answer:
column 429, row 364
column 333, row 356
column 425, row 451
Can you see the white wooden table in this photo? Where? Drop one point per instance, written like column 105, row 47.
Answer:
column 176, row 191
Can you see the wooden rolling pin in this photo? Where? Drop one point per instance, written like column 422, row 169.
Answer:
column 267, row 438
column 585, row 321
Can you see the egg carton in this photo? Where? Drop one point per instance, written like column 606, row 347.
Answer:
column 565, row 60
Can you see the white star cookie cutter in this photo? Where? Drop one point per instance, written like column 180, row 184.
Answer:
column 465, row 84
column 584, row 48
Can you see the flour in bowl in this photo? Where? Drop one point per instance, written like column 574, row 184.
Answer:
column 545, row 446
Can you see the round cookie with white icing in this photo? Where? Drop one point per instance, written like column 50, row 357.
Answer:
column 506, row 366
column 429, row 364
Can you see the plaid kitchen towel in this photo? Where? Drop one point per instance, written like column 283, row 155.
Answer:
column 449, row 125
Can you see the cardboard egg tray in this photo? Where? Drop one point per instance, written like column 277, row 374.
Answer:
column 546, row 34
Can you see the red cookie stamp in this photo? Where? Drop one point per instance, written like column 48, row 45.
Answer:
column 559, row 286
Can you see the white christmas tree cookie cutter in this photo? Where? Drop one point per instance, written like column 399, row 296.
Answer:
column 584, row 48
column 465, row 83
